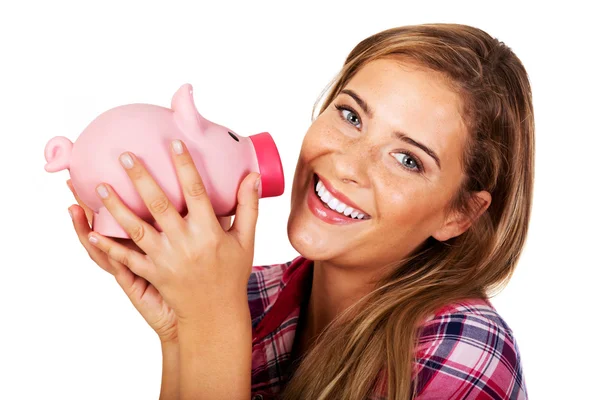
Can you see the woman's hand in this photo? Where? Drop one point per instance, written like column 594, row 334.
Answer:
column 201, row 269
column 195, row 263
column 144, row 297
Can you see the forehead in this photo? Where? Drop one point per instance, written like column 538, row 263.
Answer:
column 417, row 101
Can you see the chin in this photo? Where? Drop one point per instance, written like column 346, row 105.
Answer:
column 306, row 243
column 309, row 241
column 318, row 233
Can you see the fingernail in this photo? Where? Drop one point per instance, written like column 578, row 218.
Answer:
column 102, row 191
column 177, row 146
column 126, row 160
column 93, row 239
column 70, row 213
column 257, row 183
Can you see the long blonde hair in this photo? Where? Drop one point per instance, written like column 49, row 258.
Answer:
column 345, row 361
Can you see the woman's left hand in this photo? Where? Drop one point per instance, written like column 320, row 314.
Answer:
column 194, row 262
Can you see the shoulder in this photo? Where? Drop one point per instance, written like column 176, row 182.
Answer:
column 466, row 350
column 263, row 288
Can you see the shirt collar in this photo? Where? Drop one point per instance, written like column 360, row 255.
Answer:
column 294, row 289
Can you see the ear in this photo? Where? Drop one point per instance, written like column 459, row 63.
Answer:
column 187, row 117
column 457, row 223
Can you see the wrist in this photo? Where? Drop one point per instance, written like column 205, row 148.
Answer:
column 217, row 311
column 169, row 388
column 169, row 342
column 218, row 347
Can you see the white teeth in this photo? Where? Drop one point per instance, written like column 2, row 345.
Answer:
column 333, row 203
column 340, row 208
column 336, row 204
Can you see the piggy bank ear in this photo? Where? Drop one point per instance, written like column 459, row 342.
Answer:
column 187, row 117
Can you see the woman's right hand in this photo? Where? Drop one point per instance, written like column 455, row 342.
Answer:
column 144, row 296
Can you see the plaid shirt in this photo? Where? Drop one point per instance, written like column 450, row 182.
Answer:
column 465, row 351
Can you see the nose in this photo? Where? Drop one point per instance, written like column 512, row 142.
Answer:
column 351, row 166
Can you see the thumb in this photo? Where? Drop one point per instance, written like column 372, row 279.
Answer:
column 246, row 214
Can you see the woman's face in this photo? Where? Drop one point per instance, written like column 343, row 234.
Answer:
column 361, row 148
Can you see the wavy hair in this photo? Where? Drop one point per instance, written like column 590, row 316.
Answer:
column 382, row 334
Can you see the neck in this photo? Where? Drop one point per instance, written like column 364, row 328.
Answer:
column 333, row 290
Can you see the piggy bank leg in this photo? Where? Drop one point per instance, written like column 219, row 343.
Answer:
column 105, row 224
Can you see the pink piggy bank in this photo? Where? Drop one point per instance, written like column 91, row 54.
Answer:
column 222, row 157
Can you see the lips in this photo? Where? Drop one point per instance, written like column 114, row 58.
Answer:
column 326, row 214
column 340, row 196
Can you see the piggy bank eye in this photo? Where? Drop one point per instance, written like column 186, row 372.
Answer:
column 234, row 137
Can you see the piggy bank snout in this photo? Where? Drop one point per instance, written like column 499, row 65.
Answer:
column 269, row 164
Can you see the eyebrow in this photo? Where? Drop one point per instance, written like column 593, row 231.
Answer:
column 400, row 135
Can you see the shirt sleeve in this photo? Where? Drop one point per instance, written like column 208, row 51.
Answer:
column 468, row 356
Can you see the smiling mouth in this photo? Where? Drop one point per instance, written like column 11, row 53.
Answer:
column 335, row 204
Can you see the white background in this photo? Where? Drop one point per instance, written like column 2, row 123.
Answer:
column 68, row 331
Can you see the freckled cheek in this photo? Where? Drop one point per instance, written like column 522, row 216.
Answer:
column 403, row 209
column 308, row 148
column 310, row 151
column 316, row 143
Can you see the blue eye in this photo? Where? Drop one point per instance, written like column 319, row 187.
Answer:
column 406, row 155
column 348, row 115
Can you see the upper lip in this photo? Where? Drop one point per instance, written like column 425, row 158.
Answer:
column 339, row 195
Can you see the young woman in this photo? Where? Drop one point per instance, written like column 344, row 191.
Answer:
column 410, row 207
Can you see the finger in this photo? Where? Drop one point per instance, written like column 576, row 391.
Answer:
column 225, row 222
column 136, row 262
column 88, row 212
column 132, row 284
column 197, row 200
column 123, row 275
column 244, row 225
column 82, row 229
column 157, row 202
column 141, row 232
column 129, row 244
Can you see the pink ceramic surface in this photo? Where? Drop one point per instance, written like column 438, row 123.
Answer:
column 222, row 157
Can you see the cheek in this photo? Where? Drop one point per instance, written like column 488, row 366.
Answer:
column 307, row 149
column 406, row 207
column 320, row 138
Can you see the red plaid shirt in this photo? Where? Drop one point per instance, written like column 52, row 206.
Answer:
column 466, row 350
